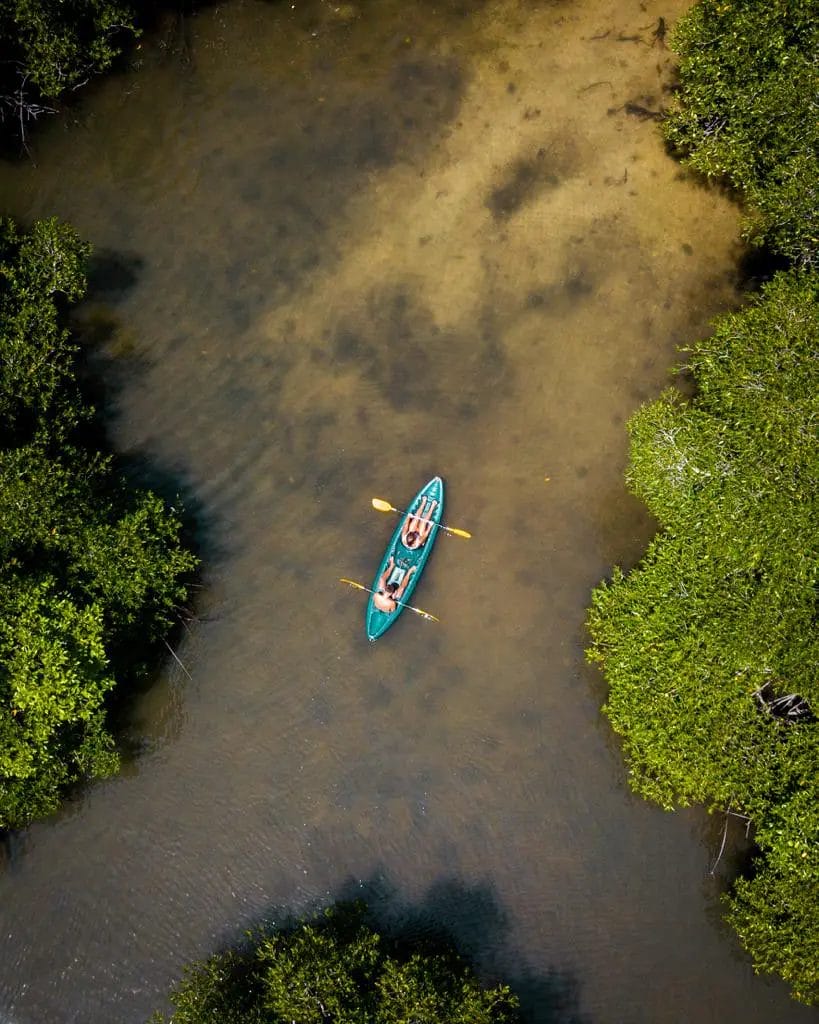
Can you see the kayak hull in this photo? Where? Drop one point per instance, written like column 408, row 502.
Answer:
column 405, row 559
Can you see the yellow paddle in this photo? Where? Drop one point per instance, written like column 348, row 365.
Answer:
column 385, row 506
column 420, row 611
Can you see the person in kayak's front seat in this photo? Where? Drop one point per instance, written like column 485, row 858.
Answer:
column 388, row 595
column 418, row 526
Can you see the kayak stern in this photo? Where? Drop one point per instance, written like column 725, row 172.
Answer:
column 405, row 559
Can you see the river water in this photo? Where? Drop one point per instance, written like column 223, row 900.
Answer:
column 340, row 249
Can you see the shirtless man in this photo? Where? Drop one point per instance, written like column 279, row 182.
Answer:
column 387, row 595
column 418, row 526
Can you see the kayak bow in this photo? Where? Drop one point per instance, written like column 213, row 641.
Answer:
column 407, row 562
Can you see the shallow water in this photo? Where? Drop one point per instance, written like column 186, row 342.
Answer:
column 340, row 249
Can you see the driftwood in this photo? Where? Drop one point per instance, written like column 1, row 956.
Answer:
column 659, row 33
column 636, row 110
column 594, row 85
column 657, row 36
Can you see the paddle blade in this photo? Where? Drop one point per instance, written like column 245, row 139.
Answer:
column 458, row 533
column 381, row 505
column 426, row 615
column 351, row 583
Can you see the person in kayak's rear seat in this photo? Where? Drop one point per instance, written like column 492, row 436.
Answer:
column 418, row 526
column 388, row 594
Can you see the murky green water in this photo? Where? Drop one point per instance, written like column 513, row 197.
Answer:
column 339, row 250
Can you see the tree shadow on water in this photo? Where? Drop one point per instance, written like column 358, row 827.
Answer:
column 111, row 274
column 462, row 925
column 109, row 352
column 468, row 921
column 108, row 361
column 141, row 669
column 12, row 847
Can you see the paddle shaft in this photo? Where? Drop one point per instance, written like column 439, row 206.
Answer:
column 424, row 519
column 403, row 604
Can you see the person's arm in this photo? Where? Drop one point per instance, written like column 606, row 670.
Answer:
column 385, row 575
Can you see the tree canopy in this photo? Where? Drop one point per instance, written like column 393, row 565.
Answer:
column 335, row 969
column 49, row 48
column 710, row 646
column 88, row 567
column 746, row 112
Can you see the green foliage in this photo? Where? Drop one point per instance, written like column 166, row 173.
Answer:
column 334, row 970
column 57, row 45
column 130, row 560
column 53, row 682
column 776, row 912
column 38, row 271
column 746, row 112
column 87, row 568
column 226, row 989
column 429, row 990
column 316, row 974
column 719, row 620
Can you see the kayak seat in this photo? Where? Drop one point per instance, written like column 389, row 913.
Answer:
column 397, row 575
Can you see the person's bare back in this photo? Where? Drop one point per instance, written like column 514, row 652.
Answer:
column 387, row 595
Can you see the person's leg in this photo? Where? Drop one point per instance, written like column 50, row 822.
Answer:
column 420, row 515
column 410, row 526
column 428, row 526
column 399, row 593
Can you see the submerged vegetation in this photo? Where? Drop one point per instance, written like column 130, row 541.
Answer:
column 90, row 569
column 710, row 647
column 335, row 970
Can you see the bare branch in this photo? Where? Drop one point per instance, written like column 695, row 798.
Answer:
column 724, row 837
column 176, row 659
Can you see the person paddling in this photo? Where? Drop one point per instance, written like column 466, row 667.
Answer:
column 418, row 526
column 388, row 595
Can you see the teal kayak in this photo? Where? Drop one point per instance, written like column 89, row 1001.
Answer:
column 404, row 560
